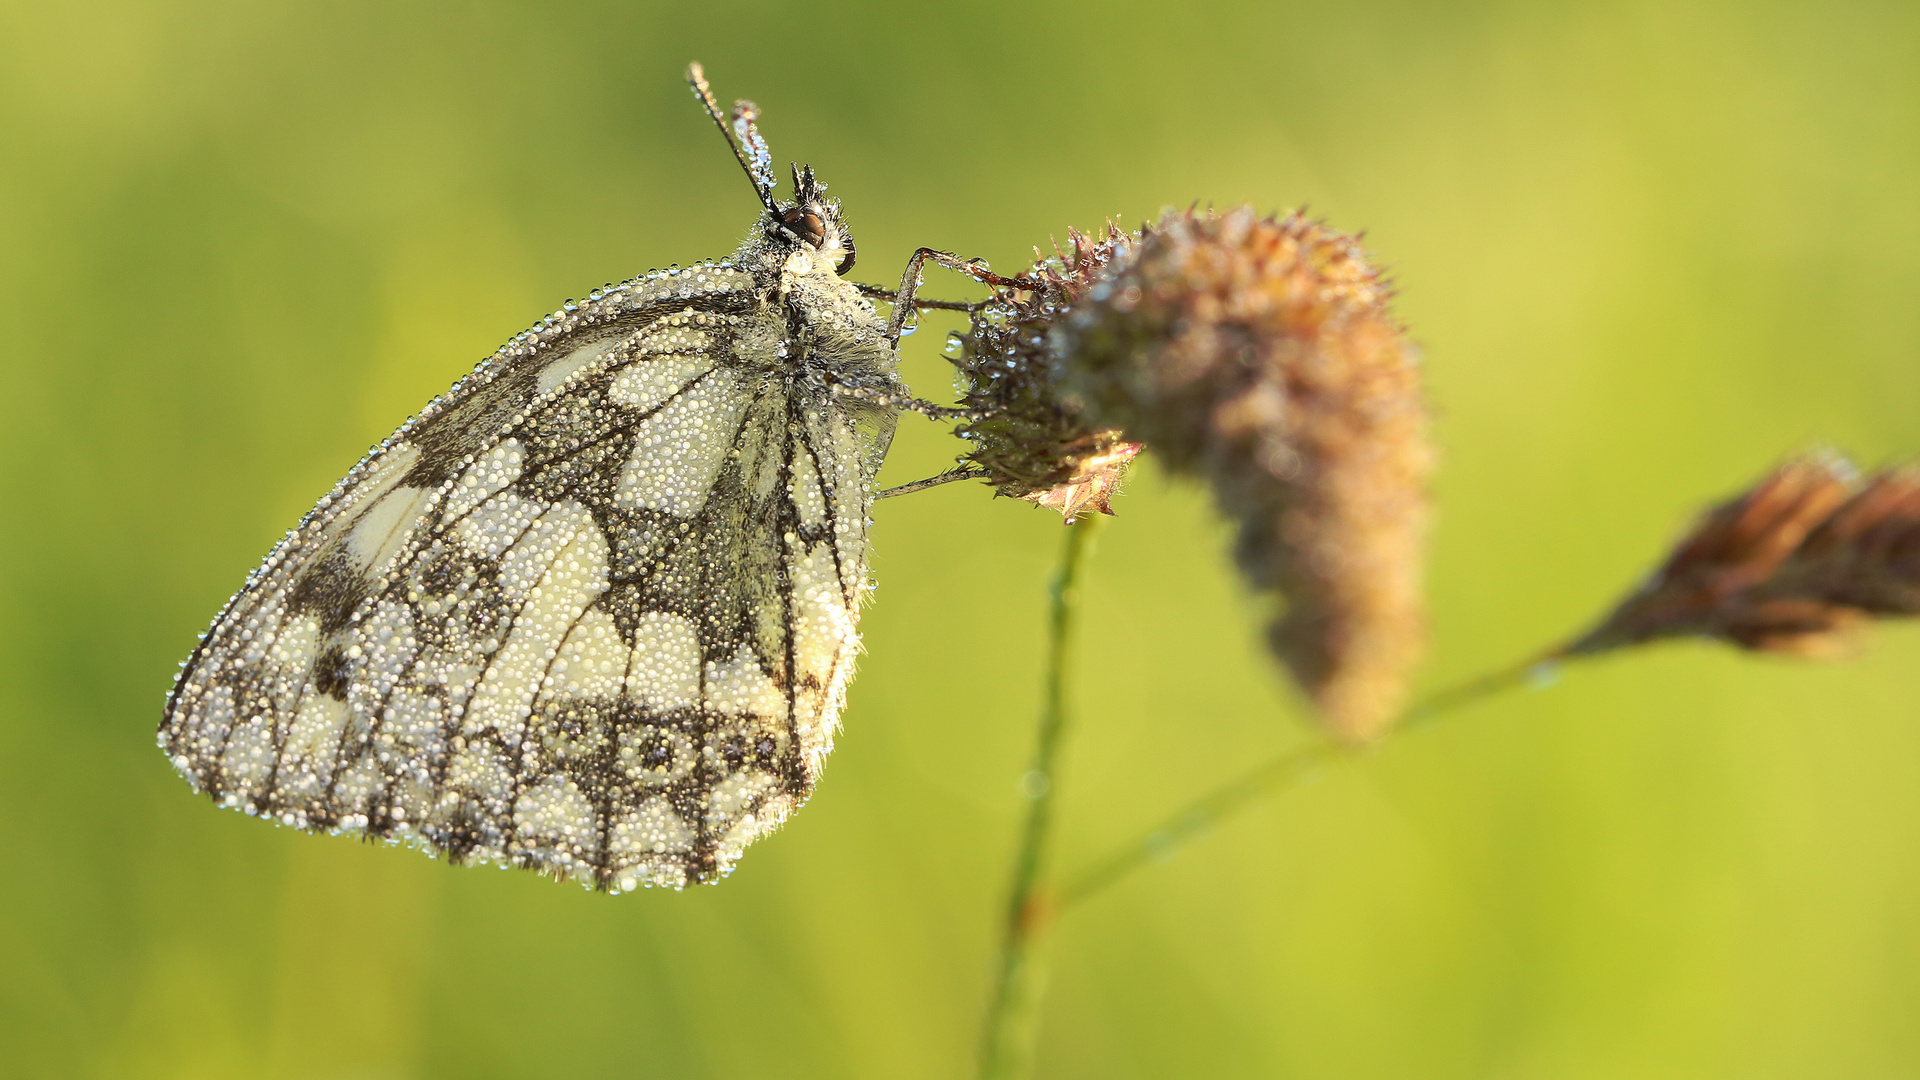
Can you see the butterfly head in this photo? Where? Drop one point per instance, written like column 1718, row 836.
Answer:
column 811, row 221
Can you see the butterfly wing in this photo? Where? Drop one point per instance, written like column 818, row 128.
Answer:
column 593, row 612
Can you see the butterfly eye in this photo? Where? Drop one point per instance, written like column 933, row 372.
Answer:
column 806, row 225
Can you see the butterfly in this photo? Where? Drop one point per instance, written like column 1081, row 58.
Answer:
column 593, row 611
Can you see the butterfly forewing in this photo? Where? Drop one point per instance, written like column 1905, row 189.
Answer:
column 593, row 612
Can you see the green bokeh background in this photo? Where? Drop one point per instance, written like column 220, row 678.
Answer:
column 1648, row 248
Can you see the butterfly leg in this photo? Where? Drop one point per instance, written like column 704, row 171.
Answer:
column 904, row 302
column 965, row 472
column 881, row 292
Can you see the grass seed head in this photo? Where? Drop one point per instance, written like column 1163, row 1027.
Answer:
column 1259, row 355
column 1794, row 564
column 1031, row 441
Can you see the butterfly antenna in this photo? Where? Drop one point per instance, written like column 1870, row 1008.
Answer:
column 753, row 157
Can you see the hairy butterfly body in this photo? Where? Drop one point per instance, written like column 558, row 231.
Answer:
column 592, row 612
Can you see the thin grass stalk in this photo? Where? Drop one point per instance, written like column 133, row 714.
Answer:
column 1201, row 815
column 1006, row 1051
column 1278, row 773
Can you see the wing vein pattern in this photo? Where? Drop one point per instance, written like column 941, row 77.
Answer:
column 592, row 612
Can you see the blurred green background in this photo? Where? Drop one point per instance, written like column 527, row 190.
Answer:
column 1648, row 248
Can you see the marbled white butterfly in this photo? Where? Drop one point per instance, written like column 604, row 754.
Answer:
column 593, row 611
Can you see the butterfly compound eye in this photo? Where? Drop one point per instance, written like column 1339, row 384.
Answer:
column 806, row 225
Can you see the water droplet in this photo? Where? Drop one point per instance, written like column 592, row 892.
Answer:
column 1034, row 784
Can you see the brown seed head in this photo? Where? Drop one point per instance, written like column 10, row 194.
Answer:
column 1032, row 442
column 1259, row 354
column 1790, row 565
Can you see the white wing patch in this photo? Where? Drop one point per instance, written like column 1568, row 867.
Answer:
column 805, row 492
column 554, row 373
column 737, row 687
column 559, row 574
column 646, row 386
column 592, row 662
column 591, row 613
column 383, row 474
column 497, row 524
column 376, row 538
column 485, row 478
column 678, row 451
column 663, row 672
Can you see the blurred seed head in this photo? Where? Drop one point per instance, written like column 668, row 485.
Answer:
column 1258, row 354
column 1791, row 565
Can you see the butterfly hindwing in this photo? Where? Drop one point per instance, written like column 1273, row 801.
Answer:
column 593, row 612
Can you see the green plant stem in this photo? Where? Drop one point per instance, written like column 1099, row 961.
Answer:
column 1012, row 1012
column 1159, row 843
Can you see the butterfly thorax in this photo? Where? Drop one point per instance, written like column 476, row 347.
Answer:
column 832, row 334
